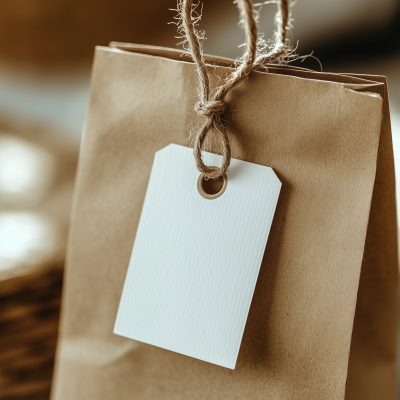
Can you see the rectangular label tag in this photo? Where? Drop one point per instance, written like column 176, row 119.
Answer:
column 196, row 260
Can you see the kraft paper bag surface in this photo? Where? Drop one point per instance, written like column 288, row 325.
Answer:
column 322, row 323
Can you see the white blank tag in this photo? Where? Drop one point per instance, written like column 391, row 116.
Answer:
column 195, row 261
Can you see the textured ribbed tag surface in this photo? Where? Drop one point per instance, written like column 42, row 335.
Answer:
column 195, row 261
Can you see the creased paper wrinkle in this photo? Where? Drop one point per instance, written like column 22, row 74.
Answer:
column 96, row 352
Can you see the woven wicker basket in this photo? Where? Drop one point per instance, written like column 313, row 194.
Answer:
column 29, row 313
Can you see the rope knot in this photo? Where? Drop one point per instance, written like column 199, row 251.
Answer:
column 210, row 108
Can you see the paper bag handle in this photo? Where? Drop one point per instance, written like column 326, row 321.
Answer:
column 211, row 105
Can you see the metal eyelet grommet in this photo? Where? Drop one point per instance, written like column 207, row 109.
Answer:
column 206, row 195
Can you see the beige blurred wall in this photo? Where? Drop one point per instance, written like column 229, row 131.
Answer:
column 61, row 32
column 66, row 31
column 314, row 22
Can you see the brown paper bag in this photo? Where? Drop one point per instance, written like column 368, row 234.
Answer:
column 315, row 330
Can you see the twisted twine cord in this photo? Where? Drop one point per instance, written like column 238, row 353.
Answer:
column 211, row 105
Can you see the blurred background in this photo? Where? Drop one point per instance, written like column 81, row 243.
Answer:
column 46, row 50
